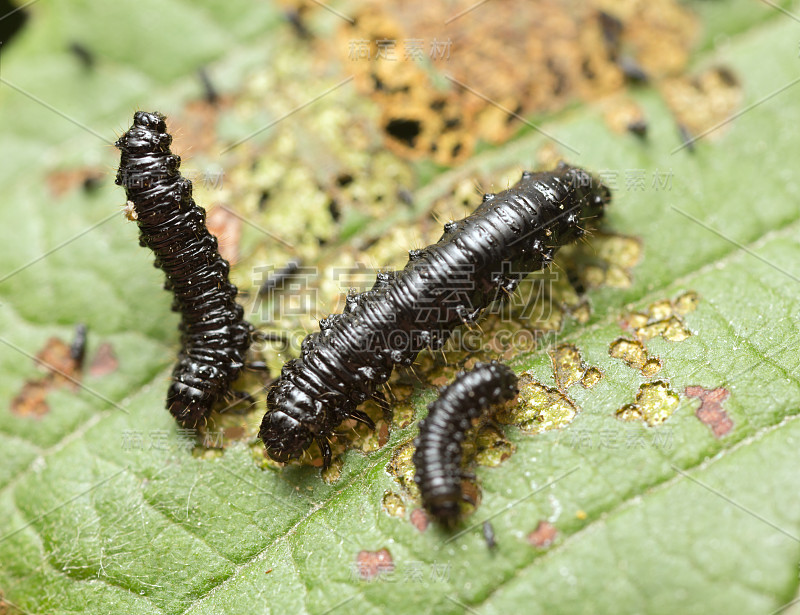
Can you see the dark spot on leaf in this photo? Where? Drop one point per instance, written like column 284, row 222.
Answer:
column 638, row 127
column 62, row 182
column 632, row 70
column 83, row 54
column 612, row 29
column 344, row 179
column 14, row 18
column 263, row 200
column 335, row 210
column 404, row 130
column 210, row 93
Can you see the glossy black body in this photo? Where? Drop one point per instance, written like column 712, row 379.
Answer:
column 477, row 260
column 437, row 458
column 214, row 335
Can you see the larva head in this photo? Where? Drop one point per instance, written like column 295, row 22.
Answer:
column 284, row 434
column 194, row 389
column 148, row 132
column 445, row 508
column 589, row 190
column 145, row 140
column 504, row 378
column 189, row 405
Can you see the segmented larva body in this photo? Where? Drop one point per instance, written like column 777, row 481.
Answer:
column 437, row 458
column 477, row 259
column 214, row 335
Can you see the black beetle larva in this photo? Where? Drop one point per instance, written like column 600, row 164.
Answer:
column 510, row 235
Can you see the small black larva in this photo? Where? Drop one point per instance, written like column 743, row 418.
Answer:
column 77, row 350
column 437, row 458
column 488, row 535
column 214, row 335
column 477, row 259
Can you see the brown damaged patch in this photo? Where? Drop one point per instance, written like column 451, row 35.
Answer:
column 623, row 114
column 539, row 61
column 663, row 318
column 569, row 368
column 62, row 371
column 402, row 409
column 686, row 303
column 651, row 367
column 419, row 519
column 591, row 377
column 333, row 472
column 104, row 362
column 634, row 354
column 548, row 155
column 371, row 564
column 383, row 435
column 582, row 312
column 31, row 401
column 61, row 182
column 330, row 158
column 393, row 504
column 195, row 129
column 540, row 408
column 491, row 447
column 56, row 359
column 704, row 101
column 655, row 403
column 472, row 495
column 607, row 261
column 543, row 536
column 401, row 467
column 440, row 368
column 711, row 412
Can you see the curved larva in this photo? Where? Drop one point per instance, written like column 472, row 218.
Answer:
column 510, row 235
column 214, row 335
column 437, row 458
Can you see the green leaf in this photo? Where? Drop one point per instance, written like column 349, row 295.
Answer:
column 683, row 522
